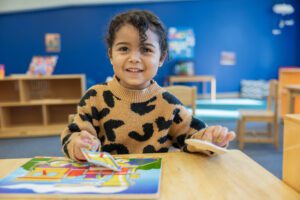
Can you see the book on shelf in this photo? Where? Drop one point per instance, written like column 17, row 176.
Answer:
column 42, row 65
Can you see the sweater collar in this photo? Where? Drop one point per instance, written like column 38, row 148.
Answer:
column 131, row 95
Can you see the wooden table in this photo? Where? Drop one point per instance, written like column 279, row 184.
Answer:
column 203, row 79
column 190, row 176
column 293, row 91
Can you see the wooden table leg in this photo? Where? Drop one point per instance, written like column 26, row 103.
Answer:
column 291, row 102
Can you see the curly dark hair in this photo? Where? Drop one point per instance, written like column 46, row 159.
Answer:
column 142, row 20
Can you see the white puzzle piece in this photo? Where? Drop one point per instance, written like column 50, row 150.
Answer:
column 205, row 145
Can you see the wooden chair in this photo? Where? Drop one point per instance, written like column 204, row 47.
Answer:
column 269, row 116
column 186, row 94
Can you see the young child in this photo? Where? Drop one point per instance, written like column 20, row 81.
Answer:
column 132, row 113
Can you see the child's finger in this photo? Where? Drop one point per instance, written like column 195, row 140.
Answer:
column 77, row 151
column 216, row 131
column 229, row 137
column 95, row 143
column 207, row 135
column 90, row 145
column 79, row 156
column 221, row 136
column 211, row 133
column 91, row 141
column 219, row 133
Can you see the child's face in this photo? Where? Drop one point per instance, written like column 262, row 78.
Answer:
column 135, row 64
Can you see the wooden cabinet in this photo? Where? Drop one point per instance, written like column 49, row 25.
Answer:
column 38, row 106
column 291, row 151
column 288, row 76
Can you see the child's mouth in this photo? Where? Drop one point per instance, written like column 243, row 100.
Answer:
column 134, row 70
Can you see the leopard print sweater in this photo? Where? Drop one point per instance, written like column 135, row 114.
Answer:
column 131, row 121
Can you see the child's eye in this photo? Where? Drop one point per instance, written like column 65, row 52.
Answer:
column 146, row 50
column 123, row 49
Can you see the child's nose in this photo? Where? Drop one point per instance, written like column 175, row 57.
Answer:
column 135, row 57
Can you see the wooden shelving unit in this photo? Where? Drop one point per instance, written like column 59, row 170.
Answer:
column 38, row 106
column 288, row 76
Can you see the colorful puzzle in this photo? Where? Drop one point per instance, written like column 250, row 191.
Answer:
column 137, row 177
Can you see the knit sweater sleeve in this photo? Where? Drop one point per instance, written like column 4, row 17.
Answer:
column 83, row 120
column 184, row 125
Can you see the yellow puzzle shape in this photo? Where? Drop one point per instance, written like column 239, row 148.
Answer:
column 48, row 174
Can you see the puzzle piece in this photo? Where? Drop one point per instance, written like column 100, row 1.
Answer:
column 101, row 159
column 205, row 145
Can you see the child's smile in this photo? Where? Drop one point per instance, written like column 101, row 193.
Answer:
column 135, row 64
column 134, row 70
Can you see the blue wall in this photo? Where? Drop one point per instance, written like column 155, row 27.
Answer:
column 242, row 26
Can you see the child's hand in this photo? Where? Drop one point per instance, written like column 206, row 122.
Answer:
column 87, row 141
column 218, row 135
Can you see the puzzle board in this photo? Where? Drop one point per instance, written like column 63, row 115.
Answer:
column 56, row 176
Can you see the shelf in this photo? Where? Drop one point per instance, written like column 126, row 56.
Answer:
column 38, row 105
column 54, row 101
column 44, row 77
column 40, row 102
column 51, row 89
column 58, row 114
column 19, row 116
column 11, row 89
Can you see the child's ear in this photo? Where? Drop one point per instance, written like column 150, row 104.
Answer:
column 162, row 59
column 109, row 54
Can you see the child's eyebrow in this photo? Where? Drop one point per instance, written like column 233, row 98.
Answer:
column 122, row 43
column 148, row 44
